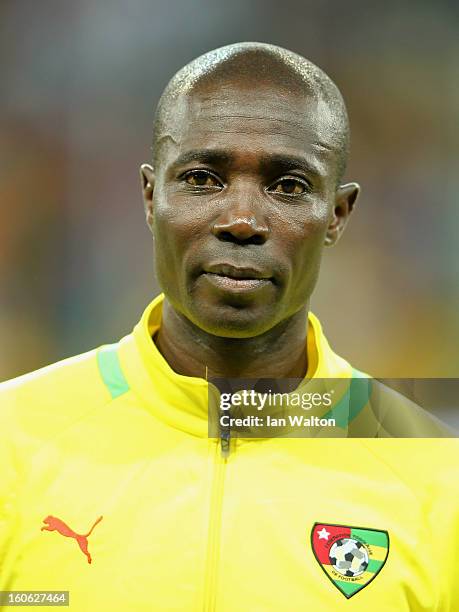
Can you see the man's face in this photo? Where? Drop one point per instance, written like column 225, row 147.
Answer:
column 244, row 195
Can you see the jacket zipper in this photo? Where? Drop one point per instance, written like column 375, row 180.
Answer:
column 222, row 448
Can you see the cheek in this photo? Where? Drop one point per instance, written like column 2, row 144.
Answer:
column 305, row 234
column 176, row 231
column 176, row 216
column 167, row 246
column 304, row 247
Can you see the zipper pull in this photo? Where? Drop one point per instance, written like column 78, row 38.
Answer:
column 225, row 442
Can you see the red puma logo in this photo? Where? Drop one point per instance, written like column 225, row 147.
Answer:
column 55, row 524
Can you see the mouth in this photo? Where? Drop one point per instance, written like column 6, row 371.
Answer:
column 237, row 278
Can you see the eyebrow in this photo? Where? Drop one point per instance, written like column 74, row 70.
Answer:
column 205, row 156
column 278, row 162
column 285, row 163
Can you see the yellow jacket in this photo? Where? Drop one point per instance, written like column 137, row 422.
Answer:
column 111, row 489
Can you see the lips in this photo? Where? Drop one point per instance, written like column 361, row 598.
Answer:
column 236, row 279
column 237, row 272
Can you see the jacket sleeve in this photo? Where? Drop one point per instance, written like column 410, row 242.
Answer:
column 9, row 485
column 444, row 524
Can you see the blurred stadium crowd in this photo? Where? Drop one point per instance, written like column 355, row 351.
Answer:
column 79, row 83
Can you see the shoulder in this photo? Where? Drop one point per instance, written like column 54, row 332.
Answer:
column 46, row 400
column 400, row 417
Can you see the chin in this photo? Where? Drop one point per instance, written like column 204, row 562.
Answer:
column 232, row 322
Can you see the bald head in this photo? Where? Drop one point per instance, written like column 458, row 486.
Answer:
column 255, row 66
column 250, row 143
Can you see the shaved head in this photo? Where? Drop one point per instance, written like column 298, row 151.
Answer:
column 250, row 144
column 255, row 67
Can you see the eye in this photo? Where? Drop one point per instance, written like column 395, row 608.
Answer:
column 290, row 186
column 201, row 178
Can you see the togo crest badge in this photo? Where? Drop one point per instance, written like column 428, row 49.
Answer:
column 350, row 556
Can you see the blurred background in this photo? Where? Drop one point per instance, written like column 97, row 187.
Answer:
column 79, row 84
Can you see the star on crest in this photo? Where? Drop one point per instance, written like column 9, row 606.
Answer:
column 323, row 534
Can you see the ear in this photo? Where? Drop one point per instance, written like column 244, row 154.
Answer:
column 147, row 178
column 345, row 198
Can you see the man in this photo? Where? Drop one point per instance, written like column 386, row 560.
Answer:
column 110, row 486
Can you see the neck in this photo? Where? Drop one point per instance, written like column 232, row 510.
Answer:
column 278, row 353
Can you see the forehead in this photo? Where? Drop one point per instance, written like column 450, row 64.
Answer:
column 253, row 120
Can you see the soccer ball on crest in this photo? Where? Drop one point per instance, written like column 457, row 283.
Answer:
column 349, row 557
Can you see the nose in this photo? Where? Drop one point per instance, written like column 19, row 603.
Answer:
column 241, row 222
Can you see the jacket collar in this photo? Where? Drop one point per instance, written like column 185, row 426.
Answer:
column 182, row 401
